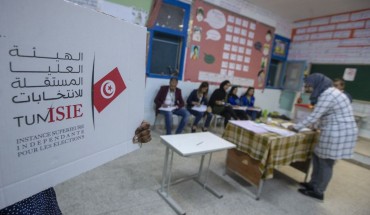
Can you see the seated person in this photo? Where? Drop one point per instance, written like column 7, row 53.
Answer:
column 196, row 98
column 248, row 100
column 339, row 84
column 217, row 103
column 234, row 101
column 170, row 96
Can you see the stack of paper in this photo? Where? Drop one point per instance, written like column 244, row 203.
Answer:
column 200, row 108
column 169, row 108
column 249, row 125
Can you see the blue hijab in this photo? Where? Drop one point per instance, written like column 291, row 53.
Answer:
column 319, row 83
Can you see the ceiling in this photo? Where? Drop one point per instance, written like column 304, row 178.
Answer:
column 294, row 10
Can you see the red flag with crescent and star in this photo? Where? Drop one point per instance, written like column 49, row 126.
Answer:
column 107, row 89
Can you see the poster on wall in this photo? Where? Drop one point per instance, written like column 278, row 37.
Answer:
column 71, row 93
column 224, row 45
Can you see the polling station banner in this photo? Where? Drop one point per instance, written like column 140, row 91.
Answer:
column 71, row 91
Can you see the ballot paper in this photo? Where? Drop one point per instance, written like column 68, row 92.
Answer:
column 249, row 125
column 254, row 109
column 169, row 108
column 282, row 132
column 240, row 108
column 200, row 108
column 260, row 128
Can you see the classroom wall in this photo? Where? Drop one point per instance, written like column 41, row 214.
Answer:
column 269, row 98
column 266, row 99
column 335, row 39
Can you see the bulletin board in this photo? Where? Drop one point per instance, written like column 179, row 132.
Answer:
column 225, row 46
column 359, row 88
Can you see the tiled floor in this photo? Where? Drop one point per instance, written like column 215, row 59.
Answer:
column 128, row 186
column 363, row 147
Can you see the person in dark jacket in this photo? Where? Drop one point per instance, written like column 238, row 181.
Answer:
column 218, row 105
column 234, row 100
column 167, row 97
column 248, row 100
column 198, row 97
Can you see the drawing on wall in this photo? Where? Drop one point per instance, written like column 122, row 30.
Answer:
column 280, row 48
column 197, row 33
column 216, row 19
column 194, row 52
column 200, row 14
column 233, row 46
column 213, row 35
column 266, row 49
column 268, row 36
column 209, row 59
column 261, row 77
column 258, row 46
column 263, row 62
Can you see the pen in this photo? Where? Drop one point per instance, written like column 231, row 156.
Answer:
column 199, row 143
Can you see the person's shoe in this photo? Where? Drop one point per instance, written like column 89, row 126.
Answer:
column 193, row 130
column 204, row 129
column 311, row 193
column 307, row 186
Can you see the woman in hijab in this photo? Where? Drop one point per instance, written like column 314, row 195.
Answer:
column 217, row 102
column 338, row 134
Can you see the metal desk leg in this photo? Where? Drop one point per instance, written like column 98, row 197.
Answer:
column 259, row 190
column 166, row 181
column 204, row 184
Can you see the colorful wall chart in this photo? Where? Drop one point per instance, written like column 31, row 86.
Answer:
column 223, row 45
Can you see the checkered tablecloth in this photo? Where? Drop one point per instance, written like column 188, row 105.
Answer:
column 271, row 149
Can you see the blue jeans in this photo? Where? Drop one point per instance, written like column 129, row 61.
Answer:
column 252, row 114
column 168, row 119
column 198, row 116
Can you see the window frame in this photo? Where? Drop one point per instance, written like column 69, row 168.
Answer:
column 182, row 34
column 282, row 59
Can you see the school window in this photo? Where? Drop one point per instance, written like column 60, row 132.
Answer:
column 167, row 41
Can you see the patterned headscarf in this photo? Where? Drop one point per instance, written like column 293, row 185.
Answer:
column 319, row 83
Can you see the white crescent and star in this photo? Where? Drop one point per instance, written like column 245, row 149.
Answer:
column 107, row 89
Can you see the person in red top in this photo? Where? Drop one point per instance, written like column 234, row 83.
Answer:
column 169, row 101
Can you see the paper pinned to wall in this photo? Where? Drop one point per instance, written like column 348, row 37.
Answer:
column 349, row 74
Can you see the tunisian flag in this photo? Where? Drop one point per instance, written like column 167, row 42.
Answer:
column 107, row 89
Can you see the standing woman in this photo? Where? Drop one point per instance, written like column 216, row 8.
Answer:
column 196, row 98
column 248, row 100
column 338, row 134
column 217, row 102
column 234, row 100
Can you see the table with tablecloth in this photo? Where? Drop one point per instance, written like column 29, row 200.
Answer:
column 268, row 150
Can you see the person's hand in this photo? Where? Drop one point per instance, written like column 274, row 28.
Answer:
column 164, row 105
column 290, row 127
column 142, row 133
column 220, row 102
